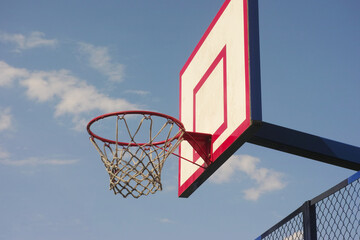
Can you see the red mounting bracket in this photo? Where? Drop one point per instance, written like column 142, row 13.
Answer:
column 201, row 142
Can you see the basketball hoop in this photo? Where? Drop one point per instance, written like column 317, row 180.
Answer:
column 134, row 163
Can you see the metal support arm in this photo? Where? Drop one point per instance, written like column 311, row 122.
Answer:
column 201, row 142
column 307, row 145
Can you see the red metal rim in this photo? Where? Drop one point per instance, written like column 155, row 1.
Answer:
column 92, row 134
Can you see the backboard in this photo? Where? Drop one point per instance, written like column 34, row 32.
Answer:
column 220, row 90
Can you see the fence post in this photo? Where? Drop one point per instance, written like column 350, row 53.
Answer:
column 309, row 222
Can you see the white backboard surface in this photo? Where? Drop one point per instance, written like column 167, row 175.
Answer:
column 215, row 91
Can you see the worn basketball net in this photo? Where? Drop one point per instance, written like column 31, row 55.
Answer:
column 135, row 158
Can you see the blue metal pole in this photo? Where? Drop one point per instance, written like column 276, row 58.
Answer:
column 307, row 145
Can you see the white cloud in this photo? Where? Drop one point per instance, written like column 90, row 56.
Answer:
column 5, row 119
column 70, row 95
column 296, row 236
column 224, row 174
column 9, row 74
column 44, row 86
column 166, row 220
column 99, row 59
column 4, row 154
column 138, row 92
column 266, row 180
column 33, row 40
column 5, row 159
column 170, row 187
column 35, row 162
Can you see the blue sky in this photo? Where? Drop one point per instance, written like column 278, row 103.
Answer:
column 65, row 62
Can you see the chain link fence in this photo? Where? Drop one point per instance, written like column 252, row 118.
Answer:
column 334, row 214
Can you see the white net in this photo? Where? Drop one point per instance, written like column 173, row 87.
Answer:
column 135, row 167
